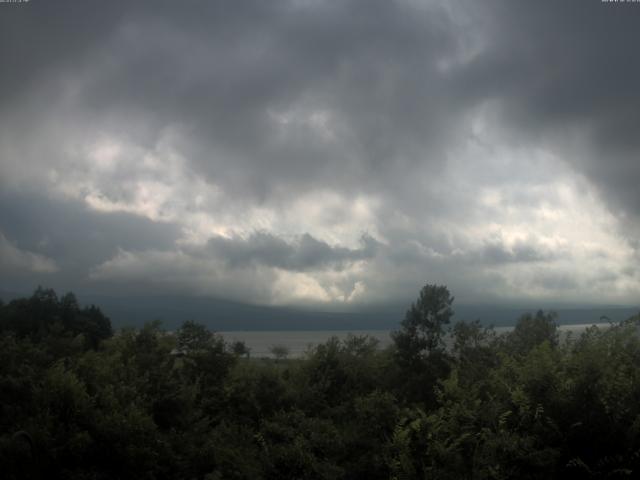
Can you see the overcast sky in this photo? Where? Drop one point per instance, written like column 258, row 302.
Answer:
column 333, row 154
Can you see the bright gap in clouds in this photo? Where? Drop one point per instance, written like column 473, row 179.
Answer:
column 496, row 222
column 546, row 236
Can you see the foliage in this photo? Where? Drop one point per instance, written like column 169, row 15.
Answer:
column 532, row 330
column 419, row 345
column 422, row 330
column 280, row 352
column 79, row 402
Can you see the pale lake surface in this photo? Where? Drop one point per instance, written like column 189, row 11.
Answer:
column 299, row 341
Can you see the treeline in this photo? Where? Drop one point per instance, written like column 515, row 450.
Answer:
column 80, row 402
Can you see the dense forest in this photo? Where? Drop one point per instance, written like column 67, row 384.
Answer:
column 445, row 401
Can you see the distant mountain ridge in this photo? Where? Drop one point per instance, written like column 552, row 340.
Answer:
column 225, row 315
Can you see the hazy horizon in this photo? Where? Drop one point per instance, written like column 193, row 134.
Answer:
column 224, row 315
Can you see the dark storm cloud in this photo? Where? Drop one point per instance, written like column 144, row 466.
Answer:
column 226, row 71
column 267, row 101
column 521, row 252
column 271, row 96
column 567, row 72
column 304, row 253
column 555, row 281
column 74, row 236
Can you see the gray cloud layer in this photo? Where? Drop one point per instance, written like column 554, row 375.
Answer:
column 476, row 142
column 305, row 253
column 569, row 71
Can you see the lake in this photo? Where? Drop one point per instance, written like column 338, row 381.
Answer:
column 299, row 341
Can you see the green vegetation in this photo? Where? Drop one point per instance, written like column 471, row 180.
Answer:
column 79, row 402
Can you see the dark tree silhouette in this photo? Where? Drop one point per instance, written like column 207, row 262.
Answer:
column 423, row 327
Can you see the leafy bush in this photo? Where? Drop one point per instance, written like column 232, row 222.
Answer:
column 78, row 402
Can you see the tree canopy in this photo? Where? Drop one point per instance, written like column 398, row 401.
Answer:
column 423, row 327
column 80, row 402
